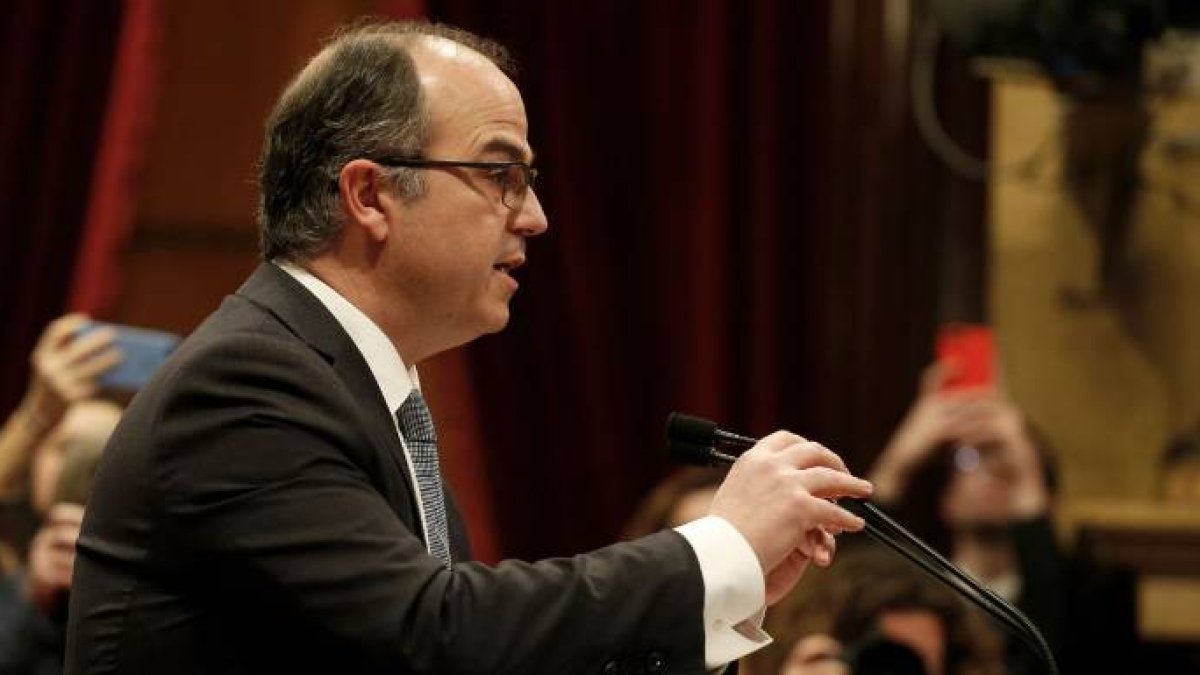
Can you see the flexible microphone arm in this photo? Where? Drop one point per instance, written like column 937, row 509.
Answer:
column 694, row 440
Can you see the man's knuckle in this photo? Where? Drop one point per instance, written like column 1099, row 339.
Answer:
column 801, row 498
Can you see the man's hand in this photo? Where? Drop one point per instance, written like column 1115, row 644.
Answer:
column 52, row 556
column 65, row 368
column 786, row 574
column 778, row 496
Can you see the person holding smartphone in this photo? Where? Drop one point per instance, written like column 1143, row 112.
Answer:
column 66, row 368
column 33, row 601
column 60, row 417
column 963, row 465
column 970, row 474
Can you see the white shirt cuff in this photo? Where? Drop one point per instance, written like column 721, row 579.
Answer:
column 734, row 590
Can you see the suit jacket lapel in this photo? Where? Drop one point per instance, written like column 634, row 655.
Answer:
column 278, row 293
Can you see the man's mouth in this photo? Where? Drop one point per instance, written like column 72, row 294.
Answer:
column 509, row 264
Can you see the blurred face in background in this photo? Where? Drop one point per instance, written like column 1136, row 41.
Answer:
column 692, row 506
column 816, row 655
column 919, row 630
column 89, row 422
column 980, row 491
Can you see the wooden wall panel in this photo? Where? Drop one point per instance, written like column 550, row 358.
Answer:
column 173, row 286
column 1107, row 365
column 225, row 63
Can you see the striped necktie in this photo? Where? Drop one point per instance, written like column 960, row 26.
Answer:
column 417, row 427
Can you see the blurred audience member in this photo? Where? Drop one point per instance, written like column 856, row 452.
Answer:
column 33, row 601
column 684, row 496
column 966, row 471
column 872, row 613
column 64, row 372
column 992, row 476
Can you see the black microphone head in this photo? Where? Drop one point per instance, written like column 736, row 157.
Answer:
column 690, row 439
column 691, row 430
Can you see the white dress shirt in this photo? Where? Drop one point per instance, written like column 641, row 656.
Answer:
column 734, row 591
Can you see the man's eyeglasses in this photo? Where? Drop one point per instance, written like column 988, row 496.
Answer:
column 515, row 178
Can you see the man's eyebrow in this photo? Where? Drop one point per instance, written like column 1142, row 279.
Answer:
column 504, row 146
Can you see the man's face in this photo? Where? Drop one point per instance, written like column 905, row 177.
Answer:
column 451, row 251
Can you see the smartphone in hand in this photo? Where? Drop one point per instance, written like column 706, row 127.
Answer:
column 970, row 351
column 142, row 352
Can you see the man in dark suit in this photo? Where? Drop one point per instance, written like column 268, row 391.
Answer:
column 271, row 501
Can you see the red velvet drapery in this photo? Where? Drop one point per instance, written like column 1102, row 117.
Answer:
column 116, row 177
column 56, row 62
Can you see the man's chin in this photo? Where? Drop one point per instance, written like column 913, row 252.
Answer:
column 496, row 320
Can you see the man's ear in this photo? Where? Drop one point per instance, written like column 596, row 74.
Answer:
column 361, row 184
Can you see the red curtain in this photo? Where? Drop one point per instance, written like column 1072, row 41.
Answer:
column 401, row 9
column 744, row 225
column 128, row 122
column 55, row 65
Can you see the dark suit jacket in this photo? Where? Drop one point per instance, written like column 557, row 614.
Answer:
column 252, row 515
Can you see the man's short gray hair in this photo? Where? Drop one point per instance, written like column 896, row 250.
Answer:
column 359, row 97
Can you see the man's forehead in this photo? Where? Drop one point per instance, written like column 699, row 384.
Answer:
column 436, row 53
column 468, row 91
column 445, row 48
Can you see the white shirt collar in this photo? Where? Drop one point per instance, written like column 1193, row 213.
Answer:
column 395, row 380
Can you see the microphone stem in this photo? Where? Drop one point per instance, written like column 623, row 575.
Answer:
column 881, row 528
column 721, row 457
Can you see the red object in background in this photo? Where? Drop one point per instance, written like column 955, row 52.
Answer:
column 970, row 351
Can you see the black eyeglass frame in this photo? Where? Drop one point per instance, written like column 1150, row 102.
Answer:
column 530, row 172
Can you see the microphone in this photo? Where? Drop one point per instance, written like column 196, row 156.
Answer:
column 695, row 440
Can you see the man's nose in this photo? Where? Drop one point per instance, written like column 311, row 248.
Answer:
column 530, row 219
